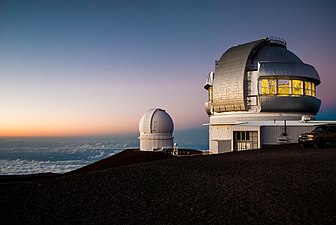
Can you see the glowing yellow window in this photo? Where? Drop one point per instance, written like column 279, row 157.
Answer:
column 297, row 87
column 271, row 84
column 308, row 89
column 313, row 89
column 283, row 87
column 264, row 86
column 267, row 87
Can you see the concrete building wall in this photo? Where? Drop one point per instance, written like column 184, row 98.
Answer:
column 220, row 138
column 152, row 142
column 223, row 139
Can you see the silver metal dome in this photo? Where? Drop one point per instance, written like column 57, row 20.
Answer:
column 156, row 120
column 263, row 76
column 274, row 53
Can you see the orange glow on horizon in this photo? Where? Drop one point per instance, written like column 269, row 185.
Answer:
column 64, row 129
column 61, row 132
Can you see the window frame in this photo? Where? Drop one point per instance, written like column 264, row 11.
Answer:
column 286, row 87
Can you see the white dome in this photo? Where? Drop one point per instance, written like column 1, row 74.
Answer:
column 156, row 120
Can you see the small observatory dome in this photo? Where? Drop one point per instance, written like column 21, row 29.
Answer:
column 156, row 128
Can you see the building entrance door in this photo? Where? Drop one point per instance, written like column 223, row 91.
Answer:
column 245, row 140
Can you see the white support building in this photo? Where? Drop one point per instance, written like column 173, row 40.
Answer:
column 260, row 94
column 248, row 135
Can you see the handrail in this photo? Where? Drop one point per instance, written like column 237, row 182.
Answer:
column 277, row 40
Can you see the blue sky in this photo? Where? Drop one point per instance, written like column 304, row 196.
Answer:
column 75, row 67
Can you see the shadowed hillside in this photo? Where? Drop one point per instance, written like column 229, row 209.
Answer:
column 284, row 185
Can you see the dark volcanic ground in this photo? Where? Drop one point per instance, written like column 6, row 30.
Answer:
column 283, row 185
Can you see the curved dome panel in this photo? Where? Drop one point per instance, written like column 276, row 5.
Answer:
column 274, row 53
column 228, row 87
column 303, row 104
column 156, row 121
column 145, row 124
column 288, row 70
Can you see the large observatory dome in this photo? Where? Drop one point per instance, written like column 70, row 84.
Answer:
column 156, row 128
column 260, row 93
column 262, row 76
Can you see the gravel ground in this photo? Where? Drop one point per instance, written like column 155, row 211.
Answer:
column 283, row 185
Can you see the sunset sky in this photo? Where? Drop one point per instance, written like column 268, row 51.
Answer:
column 95, row 67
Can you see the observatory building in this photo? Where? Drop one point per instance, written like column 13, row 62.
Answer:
column 156, row 130
column 260, row 93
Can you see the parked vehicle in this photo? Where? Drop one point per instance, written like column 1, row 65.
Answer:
column 319, row 137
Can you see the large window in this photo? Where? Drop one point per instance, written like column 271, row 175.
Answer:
column 297, row 87
column 309, row 88
column 268, row 86
column 286, row 87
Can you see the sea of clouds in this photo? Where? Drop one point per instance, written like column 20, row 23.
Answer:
column 56, row 155
column 60, row 155
column 23, row 166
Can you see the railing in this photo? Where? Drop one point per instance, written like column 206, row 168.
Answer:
column 277, row 40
